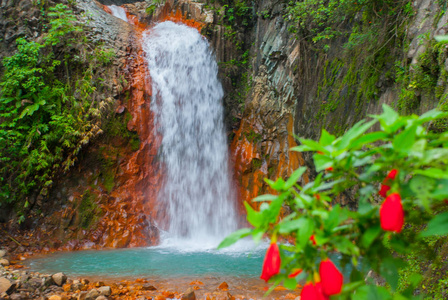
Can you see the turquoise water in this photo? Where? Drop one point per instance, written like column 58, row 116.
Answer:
column 154, row 262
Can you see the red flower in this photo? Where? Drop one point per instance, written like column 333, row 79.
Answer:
column 271, row 264
column 392, row 174
column 294, row 273
column 329, row 169
column 392, row 214
column 385, row 186
column 313, row 240
column 313, row 292
column 331, row 278
column 383, row 191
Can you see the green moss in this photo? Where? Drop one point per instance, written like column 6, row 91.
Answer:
column 88, row 209
column 253, row 137
column 256, row 163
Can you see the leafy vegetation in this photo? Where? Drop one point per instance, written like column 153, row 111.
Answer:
column 357, row 162
column 47, row 109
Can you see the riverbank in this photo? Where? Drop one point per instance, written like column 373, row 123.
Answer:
column 18, row 282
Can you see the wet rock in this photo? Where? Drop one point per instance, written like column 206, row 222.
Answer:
column 47, row 281
column 148, row 287
column 223, row 286
column 230, row 297
column 2, row 253
column 4, row 262
column 18, row 296
column 6, row 286
column 59, row 278
column 189, row 295
column 57, row 297
column 92, row 294
column 105, row 290
column 80, row 296
column 76, row 286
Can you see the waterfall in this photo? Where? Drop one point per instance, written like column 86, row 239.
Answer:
column 187, row 96
column 119, row 12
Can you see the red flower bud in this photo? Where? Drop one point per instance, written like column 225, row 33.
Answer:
column 294, row 273
column 313, row 292
column 313, row 240
column 392, row 174
column 271, row 264
column 392, row 214
column 383, row 191
column 329, row 169
column 331, row 278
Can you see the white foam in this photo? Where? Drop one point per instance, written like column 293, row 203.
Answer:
column 187, row 100
column 119, row 12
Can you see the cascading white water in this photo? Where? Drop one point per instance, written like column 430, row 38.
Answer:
column 119, row 12
column 189, row 115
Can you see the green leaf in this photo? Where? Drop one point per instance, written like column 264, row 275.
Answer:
column 312, row 145
column 326, row 138
column 370, row 235
column 322, row 162
column 305, row 231
column 388, row 117
column 289, row 226
column 441, row 38
column 437, row 226
column 353, row 133
column 253, row 217
column 389, row 270
column 433, row 173
column 368, row 139
column 234, row 237
column 266, row 197
column 290, row 283
column 404, row 141
column 294, row 177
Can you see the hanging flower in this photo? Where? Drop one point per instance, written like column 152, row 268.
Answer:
column 385, row 186
column 313, row 292
column 313, row 240
column 294, row 273
column 392, row 214
column 330, row 277
column 271, row 263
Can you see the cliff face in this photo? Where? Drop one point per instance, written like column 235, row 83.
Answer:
column 277, row 84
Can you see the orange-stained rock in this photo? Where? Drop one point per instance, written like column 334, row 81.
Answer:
column 196, row 282
column 223, row 286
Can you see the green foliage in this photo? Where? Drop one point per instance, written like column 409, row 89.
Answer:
column 358, row 162
column 47, row 112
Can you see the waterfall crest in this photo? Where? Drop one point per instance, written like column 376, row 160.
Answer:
column 197, row 193
column 119, row 12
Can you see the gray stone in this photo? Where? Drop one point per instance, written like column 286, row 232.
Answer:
column 105, row 290
column 2, row 253
column 6, row 286
column 92, row 294
column 4, row 262
column 59, row 278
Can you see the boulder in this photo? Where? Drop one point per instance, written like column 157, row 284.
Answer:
column 105, row 290
column 148, row 287
column 59, row 278
column 189, row 295
column 80, row 296
column 92, row 294
column 4, row 262
column 2, row 253
column 6, row 286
